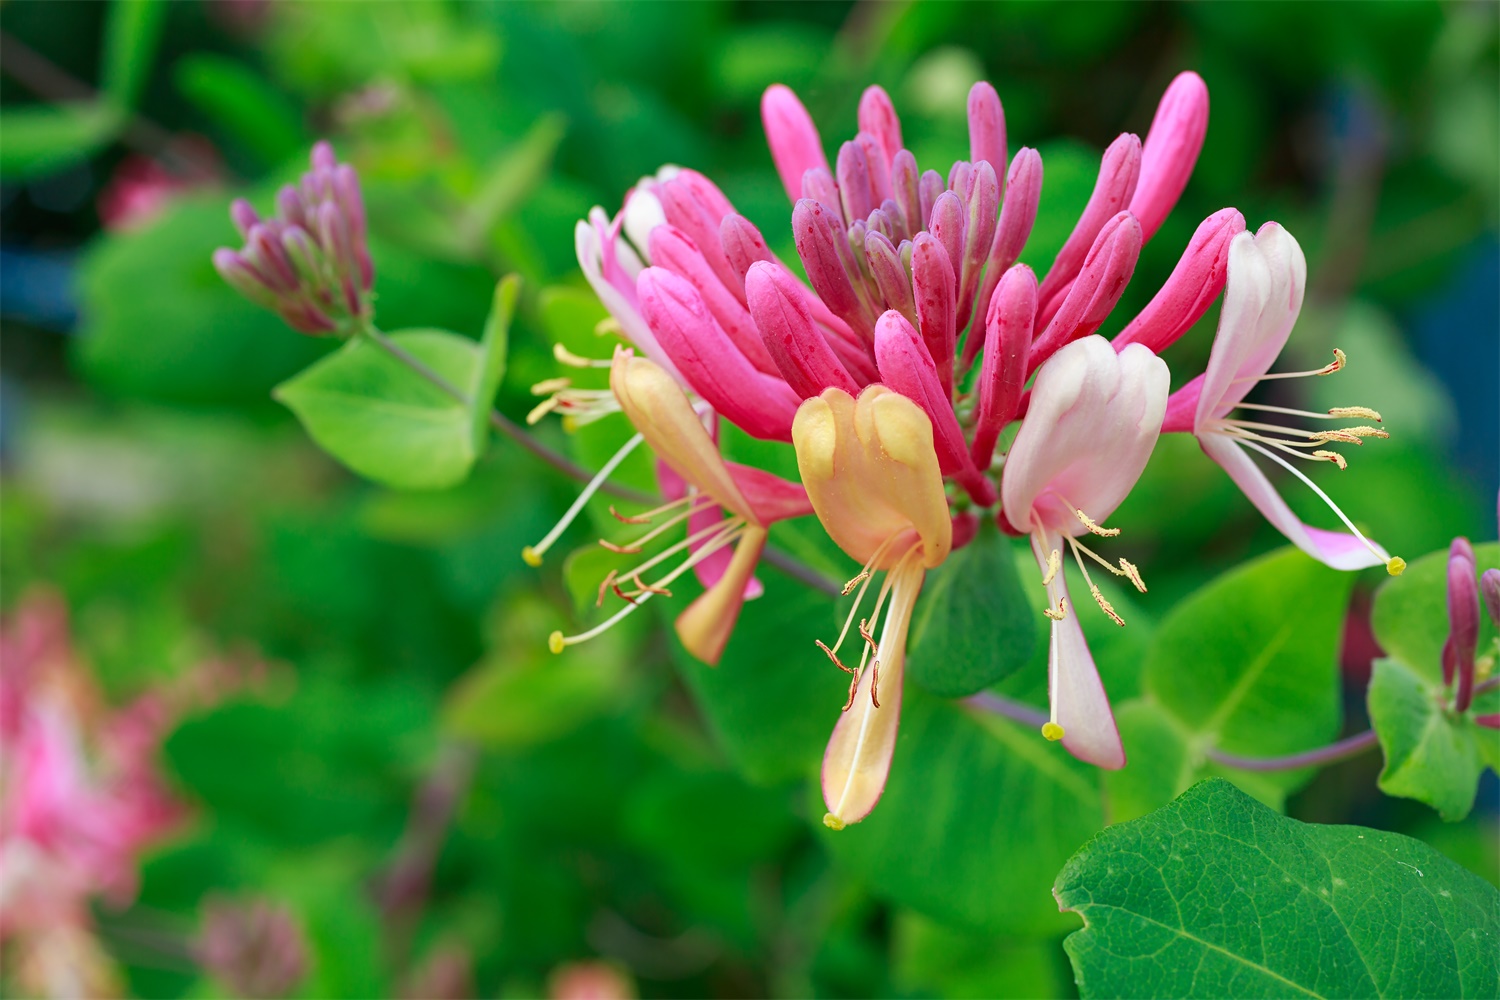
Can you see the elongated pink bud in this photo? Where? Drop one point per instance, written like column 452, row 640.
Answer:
column 245, row 278
column 853, row 350
column 929, row 188
column 905, row 189
column 857, row 191
column 696, row 206
column 1195, row 282
column 1489, row 588
column 761, row 405
column 961, row 179
column 947, row 223
column 792, row 136
column 244, row 216
column 823, row 245
column 1007, row 346
column 1106, row 272
column 1023, row 193
column 743, row 244
column 979, row 234
column 1118, row 173
column 1463, row 622
column 264, row 250
column 786, row 326
column 933, row 287
column 820, row 186
column 1171, row 150
column 986, row 126
column 877, row 117
column 670, row 248
column 890, row 276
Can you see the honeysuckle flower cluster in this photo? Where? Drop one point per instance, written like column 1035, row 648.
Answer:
column 870, row 374
column 310, row 263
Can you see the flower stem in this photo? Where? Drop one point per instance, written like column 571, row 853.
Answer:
column 1350, row 746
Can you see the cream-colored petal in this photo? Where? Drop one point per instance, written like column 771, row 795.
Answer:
column 705, row 626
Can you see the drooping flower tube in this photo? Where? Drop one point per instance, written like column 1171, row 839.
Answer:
column 872, row 475
column 1095, row 416
column 1267, row 275
column 666, row 419
column 1463, row 623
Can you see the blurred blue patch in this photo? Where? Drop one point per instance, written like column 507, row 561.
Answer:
column 37, row 287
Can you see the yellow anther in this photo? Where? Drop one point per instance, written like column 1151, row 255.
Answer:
column 1342, row 436
column 833, row 822
column 1130, row 572
column 1332, row 456
column 541, row 409
column 1095, row 527
column 1057, row 614
column 1364, row 431
column 567, row 357
column 1395, row 566
column 1362, row 412
column 608, row 325
column 531, row 556
column 1105, row 606
column 1054, row 563
column 849, row 587
column 548, row 386
column 556, row 642
column 1053, row 731
column 1339, row 361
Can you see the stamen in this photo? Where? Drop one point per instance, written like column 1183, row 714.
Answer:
column 704, row 536
column 1129, row 571
column 1059, row 614
column 567, row 357
column 875, row 683
column 699, row 501
column 1332, row 456
column 608, row 325
column 864, row 633
column 1394, row 565
column 1362, row 412
column 540, row 410
column 1365, row 430
column 550, row 385
column 1125, row 569
column 834, row 657
column 864, row 574
column 1105, row 606
column 622, row 549
column 605, row 584
column 1339, row 361
column 1052, row 731
column 533, row 553
column 646, row 517
column 1341, row 436
column 1054, row 563
column 1094, row 527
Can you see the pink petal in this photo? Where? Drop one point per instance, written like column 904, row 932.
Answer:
column 933, row 287
column 1089, row 299
column 1171, row 150
column 1192, row 287
column 792, row 136
column 824, row 248
column 907, row 367
column 793, row 341
column 979, row 233
column 1023, row 192
column 986, row 126
column 1118, row 173
column 672, row 249
column 696, row 206
column 1007, row 344
column 713, row 567
column 877, row 117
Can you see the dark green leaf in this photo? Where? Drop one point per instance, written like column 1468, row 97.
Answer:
column 933, row 960
column 972, row 625
column 1214, row 895
column 131, row 32
column 383, row 420
column 46, row 137
column 510, row 178
column 237, row 99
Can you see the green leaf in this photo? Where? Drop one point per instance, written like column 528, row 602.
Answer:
column 977, row 813
column 933, row 960
column 493, row 349
column 508, row 704
column 237, row 99
column 1432, row 754
column 1249, row 664
column 972, row 626
column 130, row 35
column 1410, row 616
column 46, row 137
column 1214, row 895
column 383, row 420
column 511, row 177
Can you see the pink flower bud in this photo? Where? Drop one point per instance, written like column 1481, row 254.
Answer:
column 243, row 216
column 877, row 118
column 1171, row 150
column 1106, row 271
column 1489, row 587
column 1491, row 721
column 947, row 223
column 961, row 179
column 1195, row 282
column 244, row 278
column 670, row 248
column 786, row 327
column 979, row 233
column 1023, row 193
column 823, row 245
column 890, row 276
column 291, row 207
column 1118, row 173
column 819, row 185
column 743, row 244
column 323, row 157
column 694, row 205
column 1463, row 622
column 256, row 949
column 1007, row 345
column 986, row 126
column 792, row 136
column 929, row 188
column 263, row 248
column 933, row 288
column 857, row 191
column 905, row 189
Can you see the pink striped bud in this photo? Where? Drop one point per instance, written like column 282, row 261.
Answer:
column 929, row 188
column 979, row 234
column 244, row 278
column 880, row 222
column 1171, row 150
column 1007, row 346
column 786, row 327
column 857, row 191
column 290, row 206
column 263, row 248
column 351, row 204
column 1106, row 272
column 961, row 179
column 743, row 244
column 877, row 117
column 323, row 157
column 880, row 167
column 792, row 136
column 933, row 283
column 1023, row 193
column 905, row 189
column 1195, row 282
column 761, row 405
column 696, row 206
column 820, row 186
column 986, row 127
column 1463, row 623
column 670, row 248
column 947, row 223
column 1118, row 173
column 890, row 276
column 1491, row 721
column 1489, row 588
column 243, row 216
column 822, row 244
column 897, row 218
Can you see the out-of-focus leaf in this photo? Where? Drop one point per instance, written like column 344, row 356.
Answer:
column 1432, row 754
column 383, row 420
column 237, row 99
column 517, row 701
column 972, row 625
column 933, row 960
column 1410, row 616
column 494, row 349
column 1215, row 895
column 666, row 813
column 949, row 837
column 46, row 137
column 510, row 178
column 131, row 32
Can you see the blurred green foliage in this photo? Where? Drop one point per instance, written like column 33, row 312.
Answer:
column 627, row 802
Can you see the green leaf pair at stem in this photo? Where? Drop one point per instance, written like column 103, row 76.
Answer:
column 387, row 422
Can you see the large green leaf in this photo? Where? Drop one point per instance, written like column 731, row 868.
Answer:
column 977, row 814
column 972, row 625
column 383, row 420
column 131, row 32
column 494, row 349
column 1432, row 754
column 933, row 960
column 45, row 137
column 1214, row 895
